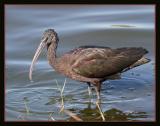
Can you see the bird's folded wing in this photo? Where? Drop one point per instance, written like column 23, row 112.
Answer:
column 98, row 64
column 99, row 68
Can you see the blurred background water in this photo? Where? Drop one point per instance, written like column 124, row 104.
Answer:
column 131, row 98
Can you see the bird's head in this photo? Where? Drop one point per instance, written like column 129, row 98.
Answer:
column 48, row 37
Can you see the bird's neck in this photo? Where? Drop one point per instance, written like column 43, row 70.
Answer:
column 52, row 54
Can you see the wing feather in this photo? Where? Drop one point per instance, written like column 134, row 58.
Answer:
column 102, row 62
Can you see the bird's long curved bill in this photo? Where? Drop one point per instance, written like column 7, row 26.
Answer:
column 38, row 51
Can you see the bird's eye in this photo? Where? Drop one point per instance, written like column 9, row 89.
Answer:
column 48, row 44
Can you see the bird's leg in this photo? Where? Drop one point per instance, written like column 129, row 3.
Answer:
column 98, row 92
column 89, row 88
column 98, row 89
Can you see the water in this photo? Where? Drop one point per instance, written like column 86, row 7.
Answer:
column 131, row 98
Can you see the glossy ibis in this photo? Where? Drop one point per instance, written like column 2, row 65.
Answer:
column 90, row 64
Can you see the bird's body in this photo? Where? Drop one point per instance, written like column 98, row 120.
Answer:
column 96, row 62
column 91, row 64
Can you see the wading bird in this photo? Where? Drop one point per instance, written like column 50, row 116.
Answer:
column 90, row 64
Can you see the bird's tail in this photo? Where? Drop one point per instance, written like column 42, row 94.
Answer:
column 141, row 61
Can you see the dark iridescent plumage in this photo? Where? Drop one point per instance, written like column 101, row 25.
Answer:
column 91, row 64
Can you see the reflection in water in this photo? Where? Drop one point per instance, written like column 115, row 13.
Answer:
column 91, row 113
column 45, row 102
column 113, row 114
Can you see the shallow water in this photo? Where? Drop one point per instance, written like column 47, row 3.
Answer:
column 131, row 98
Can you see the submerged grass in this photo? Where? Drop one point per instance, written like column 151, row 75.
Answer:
column 61, row 94
column 25, row 99
column 62, row 106
column 50, row 117
column 62, row 109
column 22, row 117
